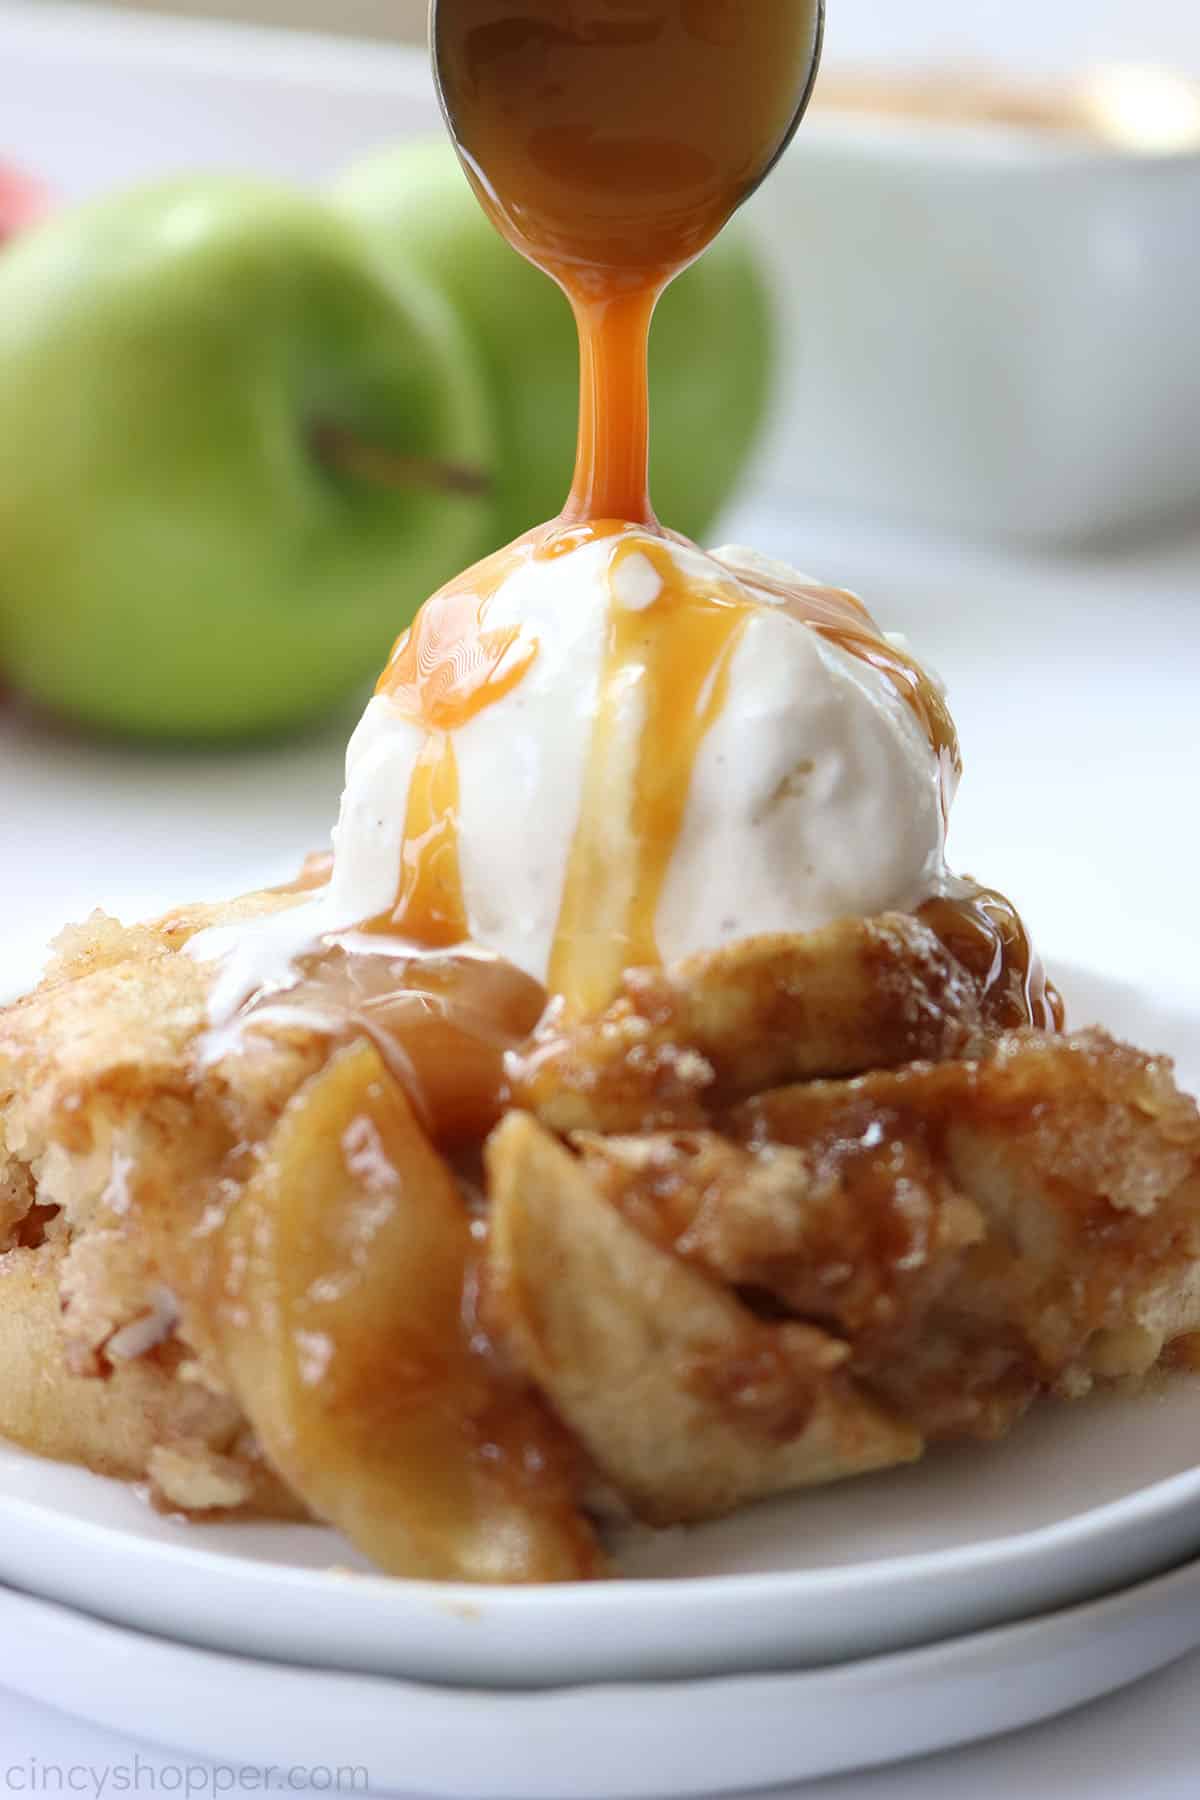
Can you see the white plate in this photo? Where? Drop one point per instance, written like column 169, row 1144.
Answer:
column 653, row 1741
column 1081, row 1500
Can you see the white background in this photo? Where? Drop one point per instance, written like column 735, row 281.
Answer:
column 1023, row 33
column 1075, row 681
column 1058, row 31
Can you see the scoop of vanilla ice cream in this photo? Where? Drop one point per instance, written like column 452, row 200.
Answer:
column 815, row 794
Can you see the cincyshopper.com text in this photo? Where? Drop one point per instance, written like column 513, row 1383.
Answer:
column 194, row 1781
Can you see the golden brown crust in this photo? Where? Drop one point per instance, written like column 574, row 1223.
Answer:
column 862, row 994
column 686, row 1402
column 142, row 1422
column 852, row 1235
column 1082, row 1159
column 783, row 1213
column 96, row 1086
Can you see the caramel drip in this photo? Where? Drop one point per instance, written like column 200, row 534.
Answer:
column 985, row 933
column 561, row 537
column 916, row 689
column 444, row 671
column 430, row 906
column 449, row 666
column 672, row 658
column 978, row 925
column 612, row 465
column 841, row 618
column 610, row 145
column 442, row 1021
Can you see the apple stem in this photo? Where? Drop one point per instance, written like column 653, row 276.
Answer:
column 392, row 468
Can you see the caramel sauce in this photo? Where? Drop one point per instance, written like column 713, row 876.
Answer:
column 609, row 140
column 612, row 463
column 841, row 618
column 443, row 672
column 673, row 657
column 979, row 926
column 915, row 688
column 610, row 143
column 443, row 1022
column 985, row 933
column 448, row 666
column 431, row 906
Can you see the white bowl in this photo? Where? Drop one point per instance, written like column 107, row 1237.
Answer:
column 988, row 330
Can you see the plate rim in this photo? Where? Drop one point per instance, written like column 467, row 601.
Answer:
column 1064, row 1658
column 1143, row 1506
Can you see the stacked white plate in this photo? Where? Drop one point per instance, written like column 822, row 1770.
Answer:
column 982, row 1589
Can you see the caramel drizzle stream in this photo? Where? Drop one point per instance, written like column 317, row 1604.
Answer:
column 556, row 145
column 612, row 464
column 445, row 670
column 431, row 905
column 675, row 658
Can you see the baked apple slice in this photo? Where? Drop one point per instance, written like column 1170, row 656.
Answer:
column 687, row 1402
column 341, row 1320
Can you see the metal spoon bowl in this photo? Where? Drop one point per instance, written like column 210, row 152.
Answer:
column 622, row 139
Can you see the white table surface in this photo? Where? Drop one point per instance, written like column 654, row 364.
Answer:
column 1076, row 684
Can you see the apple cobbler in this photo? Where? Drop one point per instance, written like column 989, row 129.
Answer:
column 638, row 1117
column 779, row 1214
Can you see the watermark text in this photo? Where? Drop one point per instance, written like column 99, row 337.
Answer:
column 95, row 1781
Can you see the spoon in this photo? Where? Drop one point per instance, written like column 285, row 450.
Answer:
column 612, row 139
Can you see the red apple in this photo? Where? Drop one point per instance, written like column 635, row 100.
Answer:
column 22, row 200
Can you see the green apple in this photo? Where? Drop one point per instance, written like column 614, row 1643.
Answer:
column 237, row 450
column 710, row 352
